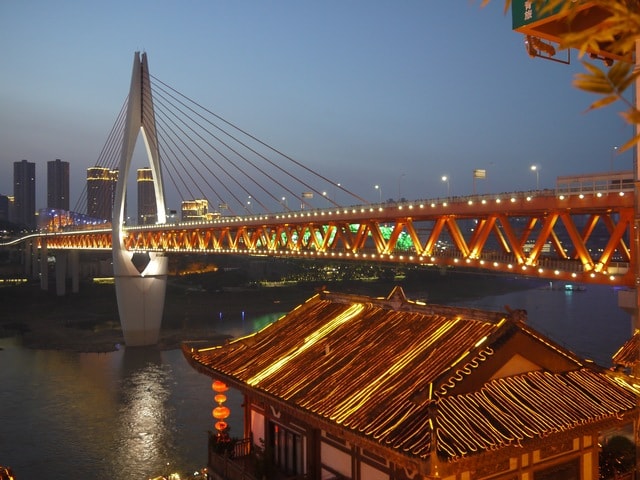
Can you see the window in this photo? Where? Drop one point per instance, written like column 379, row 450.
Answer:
column 287, row 449
column 565, row 471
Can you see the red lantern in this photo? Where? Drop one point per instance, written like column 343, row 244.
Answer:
column 221, row 425
column 220, row 413
column 218, row 386
column 220, row 398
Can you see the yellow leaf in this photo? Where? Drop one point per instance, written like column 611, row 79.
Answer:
column 603, row 102
column 631, row 143
column 591, row 84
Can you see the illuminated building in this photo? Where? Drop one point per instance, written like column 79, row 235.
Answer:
column 146, row 197
column 24, row 193
column 349, row 386
column 58, row 185
column 101, row 191
column 197, row 211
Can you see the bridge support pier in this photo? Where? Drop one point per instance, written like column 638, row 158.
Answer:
column 140, row 297
column 74, row 265
column 44, row 266
column 140, row 285
column 61, row 273
column 27, row 257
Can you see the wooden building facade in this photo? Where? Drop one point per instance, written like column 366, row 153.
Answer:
column 353, row 387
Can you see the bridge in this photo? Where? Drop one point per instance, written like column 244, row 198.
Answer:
column 581, row 231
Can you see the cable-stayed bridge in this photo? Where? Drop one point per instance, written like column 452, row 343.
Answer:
column 582, row 237
column 580, row 232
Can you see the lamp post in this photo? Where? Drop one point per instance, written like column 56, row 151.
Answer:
column 613, row 152
column 535, row 168
column 379, row 188
column 400, row 187
column 284, row 203
column 446, row 180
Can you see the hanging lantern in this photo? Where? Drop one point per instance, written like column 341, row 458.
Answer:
column 221, row 426
column 220, row 413
column 218, row 386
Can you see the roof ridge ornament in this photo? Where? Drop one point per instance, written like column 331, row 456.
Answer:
column 397, row 297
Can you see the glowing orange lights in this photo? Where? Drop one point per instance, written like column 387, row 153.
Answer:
column 218, row 386
column 220, row 412
column 220, row 398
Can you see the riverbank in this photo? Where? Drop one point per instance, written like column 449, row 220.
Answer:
column 88, row 321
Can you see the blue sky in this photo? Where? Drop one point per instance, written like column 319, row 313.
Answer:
column 384, row 92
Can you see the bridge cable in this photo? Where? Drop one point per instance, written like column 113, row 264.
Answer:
column 332, row 183
column 265, row 173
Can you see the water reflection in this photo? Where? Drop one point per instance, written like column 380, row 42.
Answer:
column 130, row 414
column 145, row 418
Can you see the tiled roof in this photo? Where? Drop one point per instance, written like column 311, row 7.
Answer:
column 627, row 355
column 395, row 371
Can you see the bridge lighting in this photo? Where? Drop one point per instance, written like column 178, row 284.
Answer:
column 513, row 199
column 561, row 197
column 536, row 169
column 470, row 202
column 498, row 200
column 621, row 194
column 581, row 196
column 599, row 194
column 446, row 180
column 613, row 152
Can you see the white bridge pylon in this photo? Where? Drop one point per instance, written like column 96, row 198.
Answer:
column 140, row 290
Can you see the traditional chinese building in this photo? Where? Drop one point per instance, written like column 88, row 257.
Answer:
column 353, row 387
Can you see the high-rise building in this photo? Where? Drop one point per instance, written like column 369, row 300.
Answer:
column 24, row 193
column 101, row 192
column 5, row 202
column 58, row 185
column 147, row 210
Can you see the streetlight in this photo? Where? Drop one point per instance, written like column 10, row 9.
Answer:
column 613, row 152
column 379, row 188
column 400, row 187
column 535, row 168
column 446, row 180
column 284, row 203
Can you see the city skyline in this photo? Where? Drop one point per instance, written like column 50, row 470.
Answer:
column 391, row 95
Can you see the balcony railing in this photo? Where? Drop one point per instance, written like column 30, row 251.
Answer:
column 231, row 459
column 237, row 460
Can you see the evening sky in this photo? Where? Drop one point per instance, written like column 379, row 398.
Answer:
column 394, row 93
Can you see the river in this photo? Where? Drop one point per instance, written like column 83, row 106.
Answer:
column 138, row 413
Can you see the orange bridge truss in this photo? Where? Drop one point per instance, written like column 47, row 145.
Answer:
column 582, row 238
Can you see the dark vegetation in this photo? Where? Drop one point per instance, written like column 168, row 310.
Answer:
column 89, row 321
